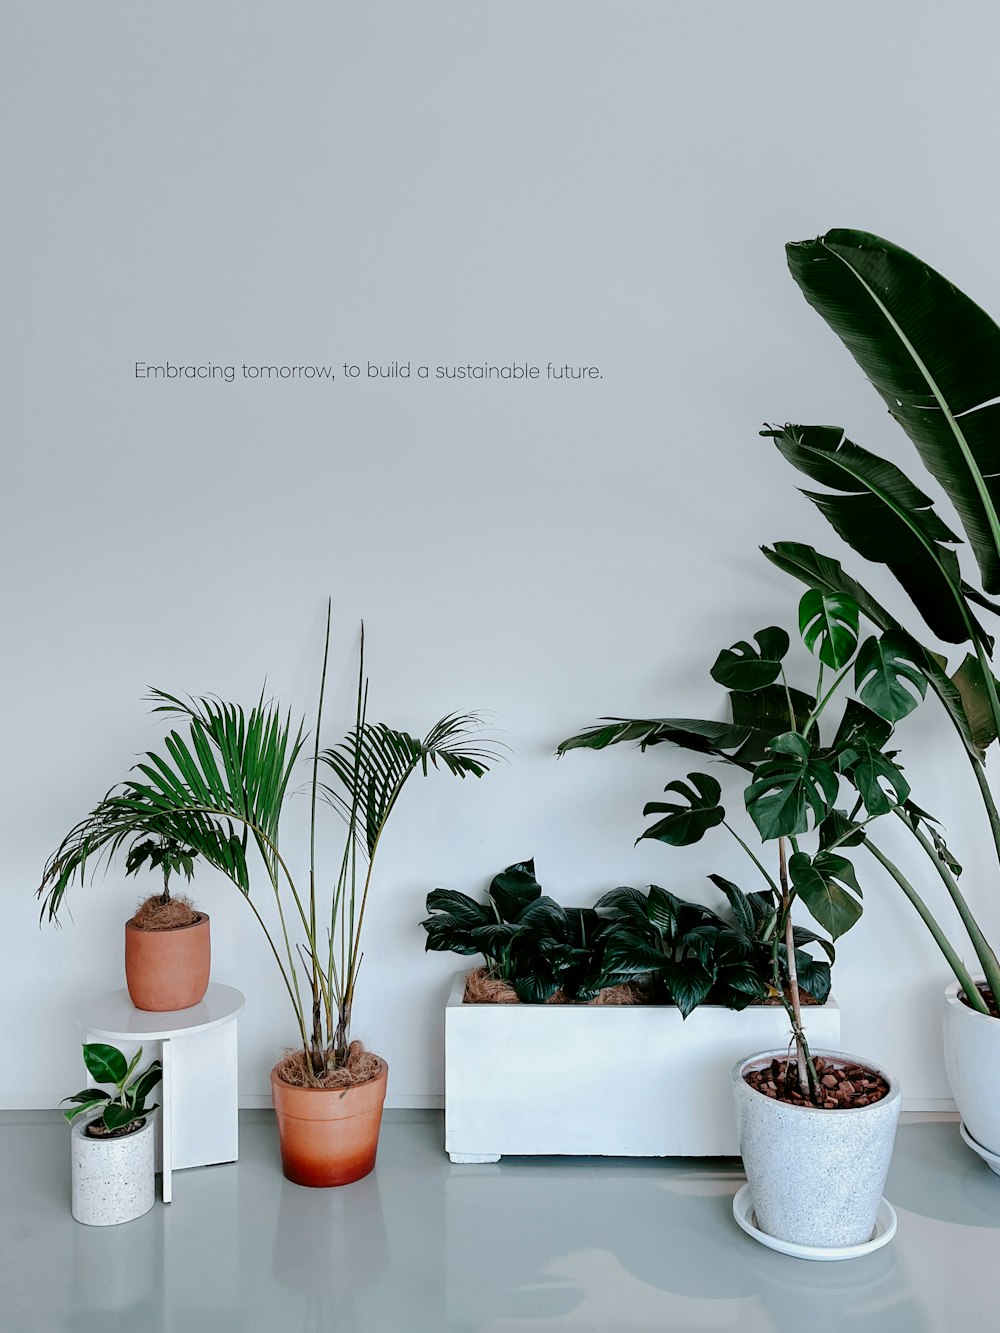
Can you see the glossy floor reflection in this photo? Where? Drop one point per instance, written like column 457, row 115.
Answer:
column 525, row 1245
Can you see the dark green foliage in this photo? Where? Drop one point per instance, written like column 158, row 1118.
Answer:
column 679, row 952
column 108, row 1065
column 526, row 938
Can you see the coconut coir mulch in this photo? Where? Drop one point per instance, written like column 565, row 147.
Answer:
column 154, row 914
column 361, row 1066
column 843, row 1085
column 481, row 988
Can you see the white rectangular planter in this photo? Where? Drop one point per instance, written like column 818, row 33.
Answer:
column 612, row 1081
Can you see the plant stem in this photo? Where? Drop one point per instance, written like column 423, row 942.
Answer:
column 984, row 952
column 316, row 1053
column 959, row 969
column 753, row 858
column 803, row 1060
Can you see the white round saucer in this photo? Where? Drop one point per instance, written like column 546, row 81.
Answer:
column 885, row 1229
column 991, row 1159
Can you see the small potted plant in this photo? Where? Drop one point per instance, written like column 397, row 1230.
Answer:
column 817, row 1116
column 168, row 951
column 112, row 1152
column 933, row 355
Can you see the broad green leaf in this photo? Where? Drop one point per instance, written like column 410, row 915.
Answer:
column 116, row 1115
column 790, row 787
column 860, row 725
column 970, row 681
column 534, row 989
column 828, row 623
column 764, row 715
column 828, row 900
column 105, row 1063
column 686, row 823
column 931, row 353
column 887, row 519
column 837, row 830
column 738, row 901
column 875, row 775
column 513, row 889
column 806, row 564
column 742, row 667
column 661, row 911
column 690, row 733
column 146, row 1082
column 84, row 1108
column 89, row 1095
column 887, row 678
column 688, row 982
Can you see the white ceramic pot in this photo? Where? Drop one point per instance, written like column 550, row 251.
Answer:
column 113, row 1179
column 816, row 1176
column 972, row 1058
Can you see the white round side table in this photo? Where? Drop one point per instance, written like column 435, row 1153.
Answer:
column 198, row 1124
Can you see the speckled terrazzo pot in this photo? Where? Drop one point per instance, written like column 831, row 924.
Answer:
column 113, row 1179
column 816, row 1176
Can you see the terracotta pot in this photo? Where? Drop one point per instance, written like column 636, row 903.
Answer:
column 168, row 969
column 329, row 1136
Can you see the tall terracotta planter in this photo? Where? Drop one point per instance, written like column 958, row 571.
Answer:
column 329, row 1136
column 168, row 969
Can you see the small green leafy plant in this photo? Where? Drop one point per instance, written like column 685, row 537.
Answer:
column 126, row 1109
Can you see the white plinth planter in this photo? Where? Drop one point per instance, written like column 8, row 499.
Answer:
column 816, row 1176
column 972, row 1058
column 613, row 1081
column 113, row 1179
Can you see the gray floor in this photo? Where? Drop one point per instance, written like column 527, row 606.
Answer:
column 528, row 1244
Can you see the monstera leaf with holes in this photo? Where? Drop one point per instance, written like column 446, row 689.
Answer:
column 743, row 667
column 791, row 788
column 686, row 822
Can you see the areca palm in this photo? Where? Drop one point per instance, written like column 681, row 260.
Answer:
column 220, row 786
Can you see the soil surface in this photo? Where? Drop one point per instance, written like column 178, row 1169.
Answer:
column 96, row 1130
column 987, row 995
column 155, row 914
column 843, row 1085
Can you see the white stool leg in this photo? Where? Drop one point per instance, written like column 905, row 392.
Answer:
column 167, row 1119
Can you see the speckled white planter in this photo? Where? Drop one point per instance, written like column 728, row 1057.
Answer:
column 816, row 1176
column 972, row 1058
column 113, row 1179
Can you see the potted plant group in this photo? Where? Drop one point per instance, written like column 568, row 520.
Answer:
column 113, row 1151
column 933, row 355
column 220, row 788
column 168, row 950
column 817, row 1115
column 607, row 1030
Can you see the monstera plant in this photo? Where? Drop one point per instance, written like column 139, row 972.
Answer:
column 794, row 777
column 933, row 356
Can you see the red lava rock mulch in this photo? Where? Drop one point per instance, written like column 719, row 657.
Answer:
column 843, row 1085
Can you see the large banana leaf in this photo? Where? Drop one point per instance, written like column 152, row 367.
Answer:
column 932, row 354
column 887, row 519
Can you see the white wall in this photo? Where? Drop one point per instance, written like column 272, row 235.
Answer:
column 312, row 182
